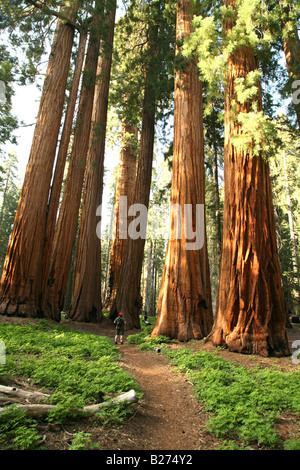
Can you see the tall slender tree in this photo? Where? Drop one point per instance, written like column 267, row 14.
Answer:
column 61, row 158
column 126, row 177
column 126, row 99
column 8, row 122
column 67, row 223
column 86, row 302
column 22, row 273
column 128, row 295
column 250, row 315
column 284, row 171
column 9, row 193
column 184, row 307
column 289, row 17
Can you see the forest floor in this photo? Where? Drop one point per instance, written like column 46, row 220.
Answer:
column 168, row 417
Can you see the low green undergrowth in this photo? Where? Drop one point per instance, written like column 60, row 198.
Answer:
column 83, row 441
column 244, row 404
column 73, row 367
column 140, row 338
column 144, row 340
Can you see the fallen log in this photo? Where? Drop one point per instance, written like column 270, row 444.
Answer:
column 130, row 397
column 9, row 400
column 33, row 410
column 23, row 394
column 40, row 410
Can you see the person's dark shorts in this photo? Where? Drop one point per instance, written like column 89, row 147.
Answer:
column 119, row 330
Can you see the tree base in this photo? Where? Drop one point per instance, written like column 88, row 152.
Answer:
column 184, row 334
column 53, row 313
column 94, row 316
column 131, row 316
column 251, row 343
column 19, row 309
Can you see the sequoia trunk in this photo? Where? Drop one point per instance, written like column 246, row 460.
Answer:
column 60, row 166
column 128, row 298
column 125, row 188
column 184, row 306
column 250, row 316
column 22, row 273
column 65, row 233
column 86, row 299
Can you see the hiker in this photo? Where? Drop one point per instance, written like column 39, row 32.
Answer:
column 145, row 320
column 120, row 324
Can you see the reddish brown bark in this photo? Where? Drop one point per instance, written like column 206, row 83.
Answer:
column 86, row 298
column 22, row 274
column 184, row 306
column 60, row 166
column 250, row 316
column 65, row 232
column 125, row 188
column 127, row 298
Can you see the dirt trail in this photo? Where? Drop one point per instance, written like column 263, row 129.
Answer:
column 169, row 417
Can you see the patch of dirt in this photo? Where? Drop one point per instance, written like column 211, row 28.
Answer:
column 168, row 417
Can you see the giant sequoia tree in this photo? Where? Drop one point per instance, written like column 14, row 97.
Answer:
column 250, row 315
column 233, row 40
column 128, row 295
column 56, row 185
column 126, row 177
column 22, row 273
column 67, row 224
column 86, row 299
column 125, row 97
column 184, row 306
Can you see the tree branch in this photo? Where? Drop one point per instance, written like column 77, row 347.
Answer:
column 50, row 11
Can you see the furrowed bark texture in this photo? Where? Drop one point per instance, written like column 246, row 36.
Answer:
column 55, row 191
column 86, row 299
column 125, row 188
column 250, row 316
column 22, row 273
column 65, row 232
column 127, row 298
column 184, row 306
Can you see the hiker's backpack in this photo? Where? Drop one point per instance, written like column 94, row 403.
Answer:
column 120, row 321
